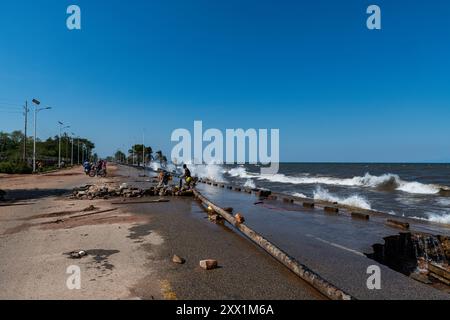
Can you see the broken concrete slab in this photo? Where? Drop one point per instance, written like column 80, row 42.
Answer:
column 178, row 260
column 209, row 264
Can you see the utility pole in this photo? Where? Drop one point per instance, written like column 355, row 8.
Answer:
column 36, row 110
column 59, row 147
column 143, row 150
column 25, row 113
column 82, row 153
column 78, row 153
column 71, row 155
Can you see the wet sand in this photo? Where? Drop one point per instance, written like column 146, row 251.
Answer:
column 129, row 247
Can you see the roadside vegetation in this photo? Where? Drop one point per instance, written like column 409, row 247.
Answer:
column 16, row 153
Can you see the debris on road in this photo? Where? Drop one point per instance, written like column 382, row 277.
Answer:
column 104, row 192
column 215, row 218
column 209, row 264
column 178, row 260
column 77, row 254
column 90, row 208
column 239, row 218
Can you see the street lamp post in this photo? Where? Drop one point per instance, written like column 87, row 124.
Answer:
column 61, row 128
column 71, row 155
column 78, row 152
column 36, row 110
column 82, row 153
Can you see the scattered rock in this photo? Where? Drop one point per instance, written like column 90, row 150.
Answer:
column 239, row 218
column 178, row 260
column 77, row 254
column 215, row 218
column 103, row 192
column 90, row 208
column 208, row 264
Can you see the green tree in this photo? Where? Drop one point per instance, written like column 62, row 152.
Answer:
column 119, row 156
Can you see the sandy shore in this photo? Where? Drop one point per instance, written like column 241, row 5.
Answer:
column 129, row 247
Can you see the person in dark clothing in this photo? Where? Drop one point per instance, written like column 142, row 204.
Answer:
column 186, row 176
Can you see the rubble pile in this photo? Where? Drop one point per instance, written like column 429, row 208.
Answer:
column 105, row 192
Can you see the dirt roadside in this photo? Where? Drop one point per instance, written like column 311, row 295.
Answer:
column 34, row 239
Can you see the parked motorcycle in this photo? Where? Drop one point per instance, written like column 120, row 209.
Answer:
column 99, row 173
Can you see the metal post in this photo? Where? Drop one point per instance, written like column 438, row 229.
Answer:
column 34, row 140
column 59, row 146
column 71, row 160
column 25, row 132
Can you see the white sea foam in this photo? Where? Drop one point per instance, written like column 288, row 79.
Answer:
column 387, row 182
column 444, row 201
column 354, row 200
column 208, row 171
column 299, row 195
column 250, row 184
column 240, row 172
column 439, row 218
column 435, row 217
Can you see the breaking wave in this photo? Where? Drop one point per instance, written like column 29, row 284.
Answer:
column 434, row 217
column 439, row 218
column 385, row 182
column 299, row 195
column 356, row 201
column 240, row 172
column 208, row 171
column 250, row 184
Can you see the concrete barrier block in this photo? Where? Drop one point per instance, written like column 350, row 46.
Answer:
column 264, row 193
column 331, row 209
column 361, row 216
column 397, row 224
column 308, row 205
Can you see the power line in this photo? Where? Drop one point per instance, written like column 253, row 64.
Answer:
column 10, row 104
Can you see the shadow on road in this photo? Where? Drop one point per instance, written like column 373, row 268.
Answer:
column 28, row 194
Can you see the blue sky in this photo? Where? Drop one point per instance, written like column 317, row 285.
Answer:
column 336, row 90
